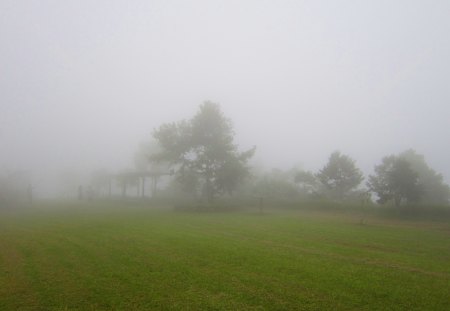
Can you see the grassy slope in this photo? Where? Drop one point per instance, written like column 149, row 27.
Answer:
column 91, row 258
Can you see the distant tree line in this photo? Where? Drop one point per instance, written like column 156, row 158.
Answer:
column 401, row 179
column 198, row 159
column 204, row 163
column 207, row 164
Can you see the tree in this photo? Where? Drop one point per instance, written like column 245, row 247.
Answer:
column 127, row 178
column 203, row 146
column 434, row 190
column 275, row 184
column 395, row 180
column 380, row 182
column 146, row 168
column 408, row 178
column 340, row 175
column 307, row 181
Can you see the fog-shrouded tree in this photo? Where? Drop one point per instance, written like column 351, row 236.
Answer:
column 203, row 147
column 432, row 185
column 340, row 176
column 407, row 178
column 125, row 179
column 308, row 182
column 395, row 180
column 275, row 184
column 146, row 168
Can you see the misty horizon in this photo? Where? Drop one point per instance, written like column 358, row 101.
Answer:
column 84, row 83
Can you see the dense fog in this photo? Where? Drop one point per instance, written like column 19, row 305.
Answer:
column 83, row 83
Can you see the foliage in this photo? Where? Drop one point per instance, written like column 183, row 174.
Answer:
column 276, row 184
column 434, row 190
column 142, row 155
column 340, row 175
column 395, row 180
column 145, row 167
column 203, row 148
column 407, row 178
column 308, row 182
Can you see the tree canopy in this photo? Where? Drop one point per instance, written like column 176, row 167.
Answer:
column 340, row 175
column 394, row 180
column 407, row 178
column 203, row 152
column 434, row 190
column 307, row 181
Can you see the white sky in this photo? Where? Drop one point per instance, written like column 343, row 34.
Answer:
column 83, row 82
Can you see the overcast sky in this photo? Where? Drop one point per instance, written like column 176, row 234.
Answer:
column 83, row 82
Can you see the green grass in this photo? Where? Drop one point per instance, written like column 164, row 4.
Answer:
column 102, row 257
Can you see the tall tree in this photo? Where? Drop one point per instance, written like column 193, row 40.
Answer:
column 408, row 178
column 380, row 182
column 396, row 181
column 434, row 190
column 203, row 146
column 340, row 175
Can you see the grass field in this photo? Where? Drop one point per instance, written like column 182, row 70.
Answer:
column 110, row 257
